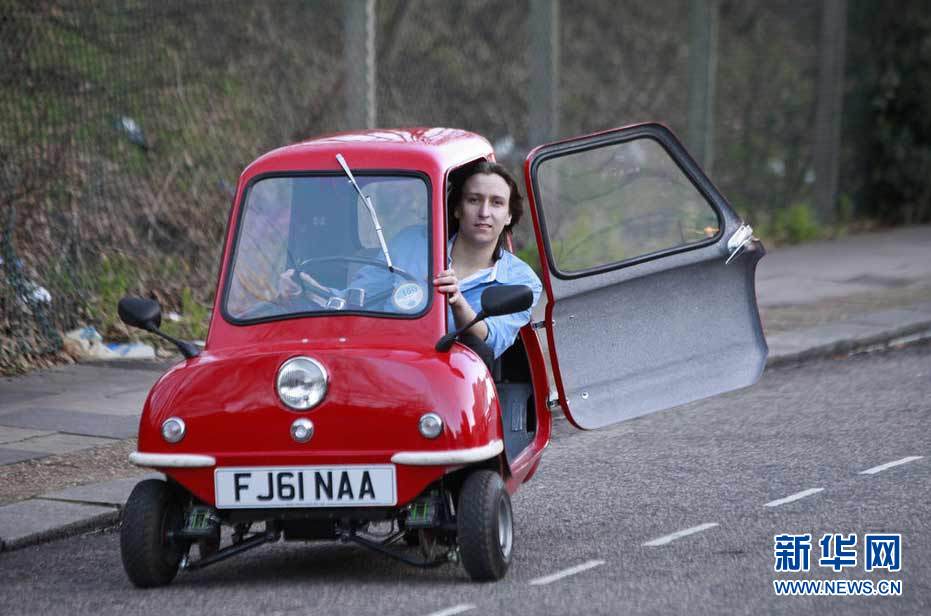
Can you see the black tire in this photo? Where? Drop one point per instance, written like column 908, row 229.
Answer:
column 486, row 526
column 153, row 510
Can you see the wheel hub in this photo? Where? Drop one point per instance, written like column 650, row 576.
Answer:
column 505, row 528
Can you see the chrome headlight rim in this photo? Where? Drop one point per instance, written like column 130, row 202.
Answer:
column 176, row 435
column 308, row 404
column 302, row 430
column 430, row 425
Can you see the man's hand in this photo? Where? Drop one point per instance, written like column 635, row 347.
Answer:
column 312, row 284
column 289, row 289
column 446, row 282
column 286, row 286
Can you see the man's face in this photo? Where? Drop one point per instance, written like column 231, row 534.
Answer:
column 484, row 211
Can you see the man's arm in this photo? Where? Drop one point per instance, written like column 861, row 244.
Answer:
column 463, row 314
column 498, row 332
column 502, row 330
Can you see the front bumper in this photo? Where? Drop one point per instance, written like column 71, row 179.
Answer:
column 415, row 469
column 448, row 457
column 171, row 460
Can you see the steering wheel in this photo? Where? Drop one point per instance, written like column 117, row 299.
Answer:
column 305, row 267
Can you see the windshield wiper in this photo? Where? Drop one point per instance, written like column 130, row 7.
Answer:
column 371, row 208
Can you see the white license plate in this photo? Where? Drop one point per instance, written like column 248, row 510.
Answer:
column 305, row 486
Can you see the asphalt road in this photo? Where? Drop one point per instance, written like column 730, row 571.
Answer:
column 597, row 500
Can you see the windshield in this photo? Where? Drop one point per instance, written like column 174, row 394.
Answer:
column 308, row 244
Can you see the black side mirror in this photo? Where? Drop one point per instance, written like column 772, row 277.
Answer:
column 506, row 299
column 147, row 314
column 503, row 299
column 140, row 312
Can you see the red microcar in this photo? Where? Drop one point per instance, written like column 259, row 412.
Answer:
column 351, row 411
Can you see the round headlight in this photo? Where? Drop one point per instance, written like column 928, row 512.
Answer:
column 430, row 425
column 302, row 383
column 173, row 429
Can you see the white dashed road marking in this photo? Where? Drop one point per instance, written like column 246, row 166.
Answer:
column 456, row 609
column 793, row 497
column 547, row 579
column 591, row 564
column 882, row 467
column 679, row 534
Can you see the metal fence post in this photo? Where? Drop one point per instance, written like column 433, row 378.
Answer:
column 703, row 42
column 544, row 71
column 359, row 62
column 830, row 106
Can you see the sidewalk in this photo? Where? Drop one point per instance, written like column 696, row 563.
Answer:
column 832, row 297
column 65, row 433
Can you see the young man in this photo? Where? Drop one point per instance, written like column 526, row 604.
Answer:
column 486, row 205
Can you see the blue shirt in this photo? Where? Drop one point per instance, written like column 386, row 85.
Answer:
column 508, row 269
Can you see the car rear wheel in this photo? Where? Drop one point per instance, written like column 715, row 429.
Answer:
column 152, row 514
column 485, row 526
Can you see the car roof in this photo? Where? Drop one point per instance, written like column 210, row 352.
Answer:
column 424, row 148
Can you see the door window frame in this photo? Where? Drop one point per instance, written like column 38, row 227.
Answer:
column 677, row 154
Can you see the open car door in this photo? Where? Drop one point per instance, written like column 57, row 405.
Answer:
column 649, row 274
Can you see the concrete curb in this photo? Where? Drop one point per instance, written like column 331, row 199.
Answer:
column 89, row 524
column 67, row 512
column 783, row 351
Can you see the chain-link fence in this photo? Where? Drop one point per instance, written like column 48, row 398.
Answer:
column 123, row 125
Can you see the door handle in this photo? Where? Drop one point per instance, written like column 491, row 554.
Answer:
column 741, row 237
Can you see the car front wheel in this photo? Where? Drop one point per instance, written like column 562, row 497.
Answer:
column 485, row 526
column 151, row 556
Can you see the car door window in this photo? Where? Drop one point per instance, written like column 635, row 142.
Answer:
column 615, row 203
